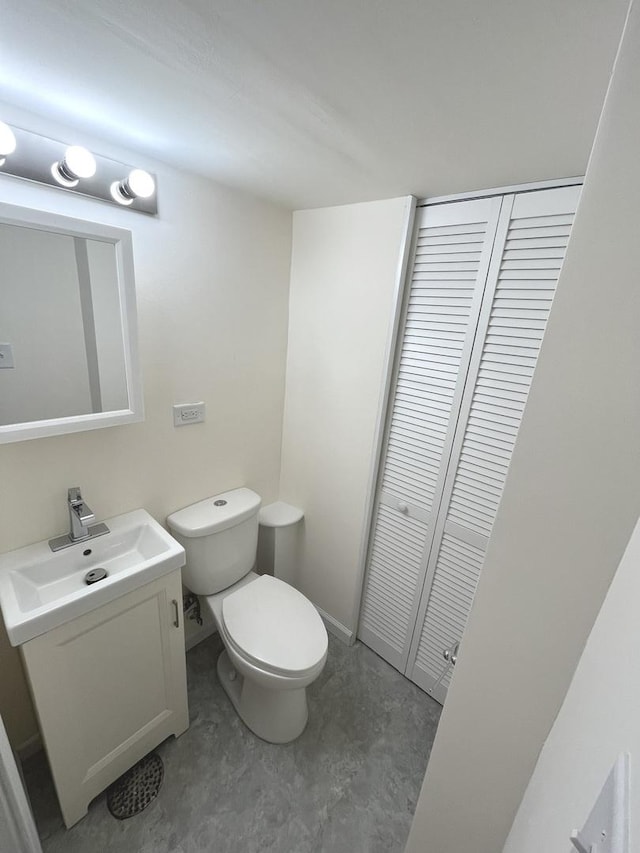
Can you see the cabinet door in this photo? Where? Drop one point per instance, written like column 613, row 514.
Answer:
column 452, row 250
column 531, row 242
column 109, row 687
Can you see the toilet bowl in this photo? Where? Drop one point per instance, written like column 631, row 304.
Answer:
column 275, row 646
column 275, row 641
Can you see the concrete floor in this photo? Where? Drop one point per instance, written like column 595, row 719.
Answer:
column 349, row 784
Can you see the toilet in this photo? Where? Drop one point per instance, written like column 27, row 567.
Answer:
column 275, row 641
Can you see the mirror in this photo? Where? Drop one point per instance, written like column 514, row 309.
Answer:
column 68, row 347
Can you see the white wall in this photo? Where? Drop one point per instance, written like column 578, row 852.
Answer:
column 571, row 499
column 598, row 720
column 343, row 280
column 212, row 277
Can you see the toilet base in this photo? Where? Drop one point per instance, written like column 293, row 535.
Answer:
column 277, row 716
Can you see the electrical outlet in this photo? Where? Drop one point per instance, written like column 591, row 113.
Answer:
column 188, row 413
column 607, row 827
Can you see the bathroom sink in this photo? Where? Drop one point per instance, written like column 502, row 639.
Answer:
column 40, row 590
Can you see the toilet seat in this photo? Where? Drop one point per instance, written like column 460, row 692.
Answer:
column 272, row 625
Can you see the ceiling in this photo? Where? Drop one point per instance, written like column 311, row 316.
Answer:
column 318, row 102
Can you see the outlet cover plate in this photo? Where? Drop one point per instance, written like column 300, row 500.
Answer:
column 6, row 356
column 607, row 827
column 188, row 413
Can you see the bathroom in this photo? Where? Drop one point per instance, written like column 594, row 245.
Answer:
column 286, row 340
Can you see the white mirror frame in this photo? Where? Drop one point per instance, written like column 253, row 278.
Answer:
column 120, row 238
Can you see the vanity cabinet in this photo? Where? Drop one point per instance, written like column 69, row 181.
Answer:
column 108, row 687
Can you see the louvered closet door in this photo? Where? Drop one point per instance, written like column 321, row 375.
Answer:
column 452, row 254
column 534, row 229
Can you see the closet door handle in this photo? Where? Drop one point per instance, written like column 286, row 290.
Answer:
column 403, row 507
column 451, row 654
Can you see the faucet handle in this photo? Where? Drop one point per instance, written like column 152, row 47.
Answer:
column 73, row 494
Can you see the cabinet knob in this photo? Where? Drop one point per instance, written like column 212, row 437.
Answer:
column 403, row 507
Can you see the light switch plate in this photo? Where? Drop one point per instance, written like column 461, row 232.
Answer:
column 6, row 356
column 607, row 827
column 188, row 413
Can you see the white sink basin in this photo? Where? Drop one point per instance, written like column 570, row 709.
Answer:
column 40, row 590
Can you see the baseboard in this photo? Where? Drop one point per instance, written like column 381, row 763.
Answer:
column 336, row 628
column 29, row 747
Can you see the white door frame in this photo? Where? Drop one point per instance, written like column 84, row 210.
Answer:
column 407, row 250
column 516, row 188
column 18, row 833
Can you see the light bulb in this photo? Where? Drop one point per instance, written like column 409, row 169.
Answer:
column 141, row 183
column 7, row 142
column 80, row 162
column 137, row 184
column 77, row 163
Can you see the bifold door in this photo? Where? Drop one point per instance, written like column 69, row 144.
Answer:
column 480, row 291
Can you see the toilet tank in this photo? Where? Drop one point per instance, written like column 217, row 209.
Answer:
column 220, row 538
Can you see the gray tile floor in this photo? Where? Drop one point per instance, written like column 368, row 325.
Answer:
column 349, row 784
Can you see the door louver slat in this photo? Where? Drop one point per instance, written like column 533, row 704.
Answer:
column 448, row 607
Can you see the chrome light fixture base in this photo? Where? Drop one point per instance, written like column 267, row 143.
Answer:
column 42, row 160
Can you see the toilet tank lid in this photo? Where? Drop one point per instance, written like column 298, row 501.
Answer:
column 212, row 516
column 280, row 514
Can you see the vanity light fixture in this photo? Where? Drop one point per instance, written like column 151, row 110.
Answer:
column 77, row 163
column 73, row 168
column 138, row 184
column 7, row 142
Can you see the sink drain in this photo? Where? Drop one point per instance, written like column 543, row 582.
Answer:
column 94, row 576
column 135, row 789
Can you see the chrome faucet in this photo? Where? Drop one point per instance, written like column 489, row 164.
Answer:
column 80, row 517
